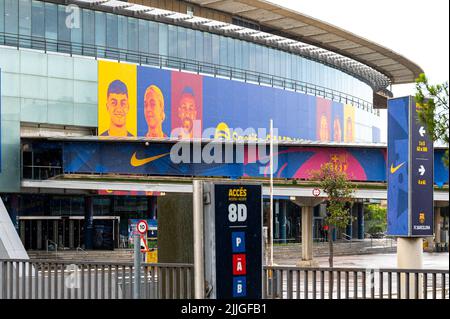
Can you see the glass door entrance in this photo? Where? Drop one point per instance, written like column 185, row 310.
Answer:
column 51, row 232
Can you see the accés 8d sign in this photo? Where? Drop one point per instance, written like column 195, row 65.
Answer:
column 238, row 225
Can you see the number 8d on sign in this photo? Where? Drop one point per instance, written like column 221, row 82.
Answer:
column 238, row 240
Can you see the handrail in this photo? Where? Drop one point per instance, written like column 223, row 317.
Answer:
column 98, row 51
column 347, row 237
column 359, row 269
column 42, row 166
column 176, row 265
column 99, row 263
column 81, row 249
column 54, row 243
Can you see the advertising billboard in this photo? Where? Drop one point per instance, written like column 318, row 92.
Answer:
column 293, row 162
column 155, row 103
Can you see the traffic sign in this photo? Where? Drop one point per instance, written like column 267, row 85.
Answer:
column 316, row 192
column 144, row 246
column 142, row 227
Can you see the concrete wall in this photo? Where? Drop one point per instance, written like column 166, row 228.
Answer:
column 175, row 229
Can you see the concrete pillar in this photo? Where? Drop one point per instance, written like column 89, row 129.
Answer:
column 276, row 221
column 307, row 233
column 151, row 207
column 282, row 215
column 360, row 220
column 199, row 258
column 410, row 256
column 437, row 225
column 307, row 205
column 88, row 222
column 349, row 229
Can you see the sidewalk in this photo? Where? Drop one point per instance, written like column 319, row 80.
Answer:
column 430, row 261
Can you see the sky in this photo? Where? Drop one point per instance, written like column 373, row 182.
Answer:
column 416, row 29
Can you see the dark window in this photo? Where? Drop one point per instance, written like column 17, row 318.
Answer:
column 38, row 19
column 11, row 16
column 245, row 23
column 112, row 31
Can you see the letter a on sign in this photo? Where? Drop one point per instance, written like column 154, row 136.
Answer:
column 239, row 264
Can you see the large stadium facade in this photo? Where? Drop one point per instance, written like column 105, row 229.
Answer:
column 95, row 93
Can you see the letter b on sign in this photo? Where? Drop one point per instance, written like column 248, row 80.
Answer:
column 237, row 213
column 239, row 287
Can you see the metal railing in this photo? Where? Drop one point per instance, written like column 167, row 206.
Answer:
column 41, row 172
column 161, row 61
column 354, row 283
column 41, row 279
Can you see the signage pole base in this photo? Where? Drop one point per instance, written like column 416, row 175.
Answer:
column 410, row 256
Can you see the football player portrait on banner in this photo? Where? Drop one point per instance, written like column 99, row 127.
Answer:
column 116, row 99
column 186, row 105
column 154, row 99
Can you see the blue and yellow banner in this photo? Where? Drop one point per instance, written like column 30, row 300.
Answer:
column 360, row 164
column 155, row 103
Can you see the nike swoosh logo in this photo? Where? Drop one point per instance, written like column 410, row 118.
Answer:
column 139, row 162
column 394, row 169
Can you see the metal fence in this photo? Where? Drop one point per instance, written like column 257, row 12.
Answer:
column 97, row 51
column 354, row 283
column 41, row 279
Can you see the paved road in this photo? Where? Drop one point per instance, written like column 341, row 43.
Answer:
column 431, row 261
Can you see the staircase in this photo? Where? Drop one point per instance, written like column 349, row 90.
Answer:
column 110, row 256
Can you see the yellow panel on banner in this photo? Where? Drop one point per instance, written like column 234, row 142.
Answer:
column 117, row 102
column 349, row 123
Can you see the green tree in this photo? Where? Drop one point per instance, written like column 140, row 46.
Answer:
column 375, row 219
column 434, row 111
column 339, row 191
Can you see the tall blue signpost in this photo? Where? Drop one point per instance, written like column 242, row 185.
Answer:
column 410, row 172
column 410, row 187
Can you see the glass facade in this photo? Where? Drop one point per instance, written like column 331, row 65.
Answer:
column 53, row 88
column 106, row 33
column 42, row 88
column 49, row 88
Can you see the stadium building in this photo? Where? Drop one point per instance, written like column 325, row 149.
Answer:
column 95, row 95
